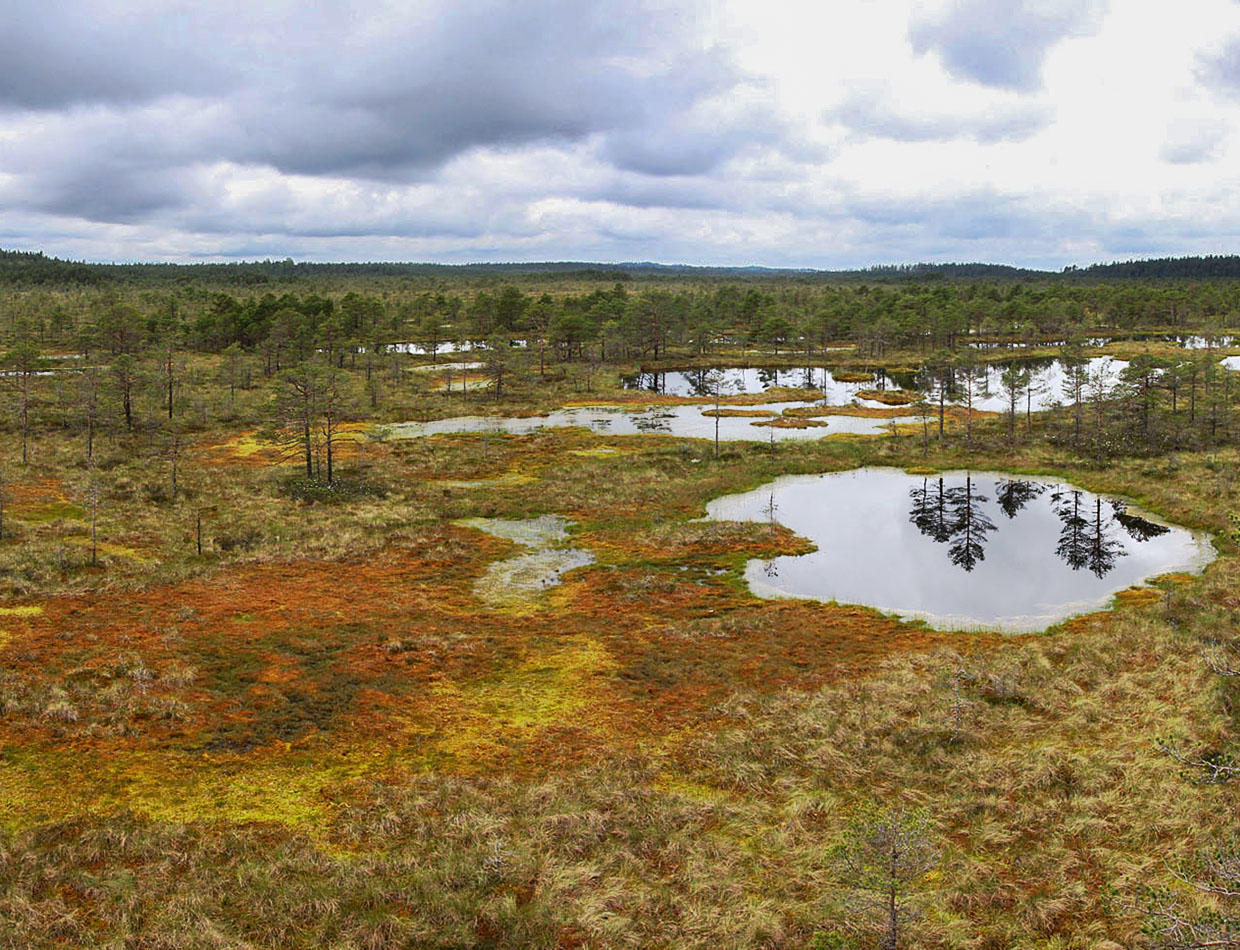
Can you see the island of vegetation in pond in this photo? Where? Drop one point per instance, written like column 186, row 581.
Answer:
column 960, row 549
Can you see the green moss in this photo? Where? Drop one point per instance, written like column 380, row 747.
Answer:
column 53, row 511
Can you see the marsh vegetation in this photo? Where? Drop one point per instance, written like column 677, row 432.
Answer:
column 369, row 609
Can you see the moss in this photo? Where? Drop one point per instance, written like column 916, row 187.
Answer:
column 551, row 686
column 791, row 422
column 25, row 610
column 53, row 511
column 890, row 397
column 106, row 548
column 739, row 413
column 285, row 786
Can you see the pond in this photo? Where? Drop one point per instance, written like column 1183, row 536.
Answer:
column 687, row 422
column 1046, row 377
column 464, row 346
column 1045, row 387
column 959, row 550
column 819, row 382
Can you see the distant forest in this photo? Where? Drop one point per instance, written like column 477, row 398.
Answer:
column 20, row 268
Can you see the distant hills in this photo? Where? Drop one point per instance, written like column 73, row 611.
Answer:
column 33, row 268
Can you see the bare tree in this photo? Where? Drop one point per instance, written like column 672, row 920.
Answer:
column 4, row 497
column 89, row 385
column 22, row 364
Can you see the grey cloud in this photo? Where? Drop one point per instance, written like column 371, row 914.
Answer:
column 374, row 93
column 1003, row 43
column 68, row 52
column 1220, row 69
column 131, row 107
column 874, row 115
column 1192, row 146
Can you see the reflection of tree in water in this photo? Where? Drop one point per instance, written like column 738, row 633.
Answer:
column 700, row 382
column 1072, row 547
column 655, row 422
column 770, row 508
column 955, row 516
column 929, row 512
column 1085, row 541
column 1139, row 529
column 970, row 525
column 1088, row 537
column 769, row 567
column 1013, row 494
column 652, row 382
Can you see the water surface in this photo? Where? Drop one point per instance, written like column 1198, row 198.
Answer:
column 517, row 581
column 961, row 550
column 818, row 381
column 687, row 422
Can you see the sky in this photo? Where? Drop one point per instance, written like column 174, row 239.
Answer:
column 782, row 133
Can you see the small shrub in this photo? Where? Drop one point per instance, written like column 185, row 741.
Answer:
column 314, row 490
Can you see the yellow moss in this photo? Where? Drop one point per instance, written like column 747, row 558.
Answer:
column 5, row 637
column 246, row 444
column 282, row 786
column 694, row 791
column 921, row 470
column 26, row 610
column 545, row 689
column 107, row 548
column 601, row 452
column 507, row 480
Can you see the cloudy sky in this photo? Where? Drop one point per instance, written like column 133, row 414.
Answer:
column 808, row 133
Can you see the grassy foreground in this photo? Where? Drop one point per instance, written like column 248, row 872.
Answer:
column 314, row 734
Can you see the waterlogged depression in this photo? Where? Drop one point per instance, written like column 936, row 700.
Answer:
column 688, row 422
column 960, row 550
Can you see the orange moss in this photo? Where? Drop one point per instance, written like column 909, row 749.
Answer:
column 790, row 422
column 890, row 397
column 739, row 413
column 1138, row 597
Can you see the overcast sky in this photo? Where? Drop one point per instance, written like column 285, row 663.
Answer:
column 808, row 133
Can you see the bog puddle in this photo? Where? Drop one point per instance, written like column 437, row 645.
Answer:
column 960, row 550
column 820, row 382
column 687, row 422
column 1046, row 381
column 519, row 580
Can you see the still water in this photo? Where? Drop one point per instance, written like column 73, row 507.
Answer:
column 734, row 380
column 1043, row 388
column 686, row 422
column 960, row 550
